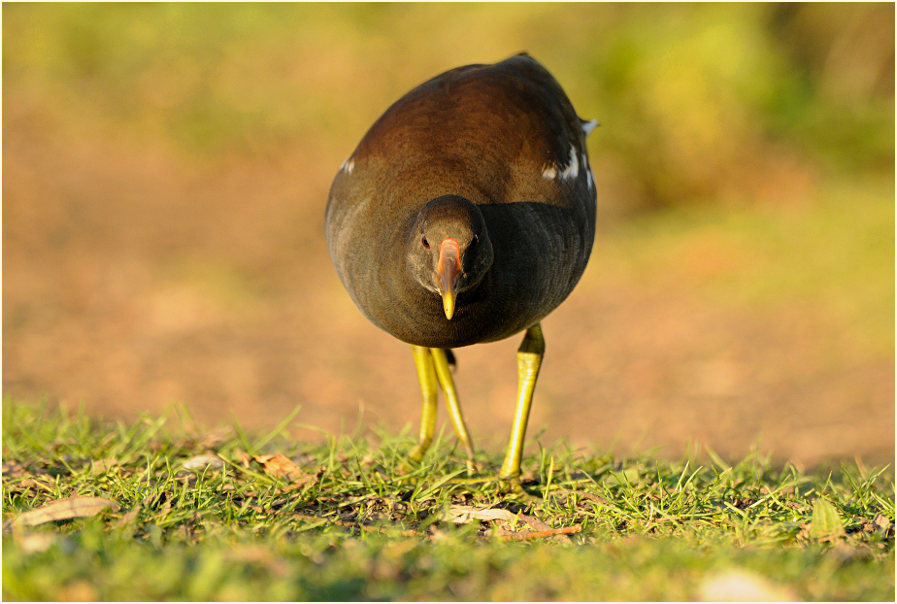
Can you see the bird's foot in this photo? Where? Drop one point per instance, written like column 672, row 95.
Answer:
column 511, row 488
column 416, row 454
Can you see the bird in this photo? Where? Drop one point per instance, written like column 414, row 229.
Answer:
column 466, row 215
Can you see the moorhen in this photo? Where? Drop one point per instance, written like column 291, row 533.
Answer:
column 467, row 214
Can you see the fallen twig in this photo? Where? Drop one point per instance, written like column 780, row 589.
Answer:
column 525, row 535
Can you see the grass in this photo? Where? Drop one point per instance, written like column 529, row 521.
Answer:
column 223, row 515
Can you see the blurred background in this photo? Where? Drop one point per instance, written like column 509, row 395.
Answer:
column 166, row 167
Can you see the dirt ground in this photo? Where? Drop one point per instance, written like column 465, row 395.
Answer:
column 133, row 280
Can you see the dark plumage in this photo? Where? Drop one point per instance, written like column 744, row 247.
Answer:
column 467, row 212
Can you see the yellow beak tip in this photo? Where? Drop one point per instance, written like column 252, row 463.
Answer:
column 448, row 305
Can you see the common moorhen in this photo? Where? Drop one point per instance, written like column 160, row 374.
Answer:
column 467, row 214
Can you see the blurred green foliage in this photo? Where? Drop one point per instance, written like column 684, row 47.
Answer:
column 696, row 101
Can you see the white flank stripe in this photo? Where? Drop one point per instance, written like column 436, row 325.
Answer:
column 572, row 169
column 587, row 169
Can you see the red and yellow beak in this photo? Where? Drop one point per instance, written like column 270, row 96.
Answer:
column 448, row 270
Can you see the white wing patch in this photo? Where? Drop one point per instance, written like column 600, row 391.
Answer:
column 569, row 172
column 572, row 170
column 348, row 165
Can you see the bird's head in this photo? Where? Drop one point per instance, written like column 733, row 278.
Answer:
column 449, row 251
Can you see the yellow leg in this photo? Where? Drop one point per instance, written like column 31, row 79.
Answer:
column 529, row 360
column 444, row 375
column 426, row 374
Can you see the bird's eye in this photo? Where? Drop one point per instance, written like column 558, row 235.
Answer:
column 474, row 241
column 425, row 243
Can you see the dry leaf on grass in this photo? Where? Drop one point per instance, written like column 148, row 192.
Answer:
column 281, row 466
column 244, row 457
column 535, row 523
column 198, row 462
column 883, row 523
column 464, row 514
column 32, row 483
column 66, row 509
column 513, row 523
